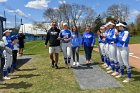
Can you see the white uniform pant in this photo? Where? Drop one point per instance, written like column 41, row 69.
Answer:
column 8, row 60
column 123, row 56
column 112, row 52
column 101, row 48
column 66, row 48
column 106, row 48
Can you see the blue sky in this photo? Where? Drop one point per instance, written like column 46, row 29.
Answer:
column 32, row 10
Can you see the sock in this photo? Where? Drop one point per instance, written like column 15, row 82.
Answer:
column 4, row 73
column 9, row 70
column 108, row 62
column 117, row 67
column 112, row 65
column 102, row 57
column 65, row 59
column 14, row 66
column 129, row 72
column 69, row 60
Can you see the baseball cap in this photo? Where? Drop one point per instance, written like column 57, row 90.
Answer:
column 7, row 31
column 122, row 24
column 110, row 23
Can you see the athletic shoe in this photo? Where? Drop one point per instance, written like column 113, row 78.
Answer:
column 74, row 63
column 126, row 80
column 118, row 76
column 56, row 66
column 110, row 71
column 77, row 64
column 109, row 68
column 6, row 78
column 115, row 74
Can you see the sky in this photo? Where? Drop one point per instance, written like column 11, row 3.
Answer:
column 32, row 10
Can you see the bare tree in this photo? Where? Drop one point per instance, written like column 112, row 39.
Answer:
column 40, row 25
column 118, row 11
column 138, row 23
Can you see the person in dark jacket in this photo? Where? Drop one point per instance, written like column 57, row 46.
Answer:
column 54, row 44
column 21, row 38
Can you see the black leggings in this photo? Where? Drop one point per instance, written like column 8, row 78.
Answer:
column 14, row 63
column 75, row 50
column 88, row 52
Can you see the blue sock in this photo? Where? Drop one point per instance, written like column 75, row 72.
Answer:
column 14, row 66
column 9, row 70
column 129, row 75
column 4, row 73
column 117, row 67
column 122, row 71
column 69, row 60
column 65, row 59
column 108, row 61
column 112, row 66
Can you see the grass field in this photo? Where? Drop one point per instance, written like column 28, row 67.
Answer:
column 36, row 76
column 135, row 39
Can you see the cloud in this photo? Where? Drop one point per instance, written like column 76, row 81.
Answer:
column 19, row 12
column 134, row 13
column 137, row 0
column 62, row 2
column 3, row 1
column 38, row 4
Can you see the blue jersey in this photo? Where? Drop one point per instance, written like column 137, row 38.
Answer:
column 111, row 38
column 88, row 39
column 65, row 33
column 8, row 42
column 77, row 40
column 123, row 39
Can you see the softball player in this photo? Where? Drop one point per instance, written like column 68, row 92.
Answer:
column 101, row 42
column 7, row 54
column 112, row 48
column 65, row 36
column 123, row 38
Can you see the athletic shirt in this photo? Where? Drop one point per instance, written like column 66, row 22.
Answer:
column 123, row 38
column 88, row 39
column 65, row 33
column 76, row 40
column 111, row 38
column 7, row 41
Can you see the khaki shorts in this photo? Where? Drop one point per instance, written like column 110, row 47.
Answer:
column 54, row 49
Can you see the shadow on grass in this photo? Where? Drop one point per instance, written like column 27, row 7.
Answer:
column 19, row 85
column 25, row 76
column 136, row 75
column 22, row 61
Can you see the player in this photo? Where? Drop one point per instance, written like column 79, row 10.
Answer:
column 7, row 54
column 65, row 36
column 123, row 38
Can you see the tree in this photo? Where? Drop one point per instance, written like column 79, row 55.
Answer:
column 138, row 23
column 119, row 11
column 98, row 23
column 40, row 25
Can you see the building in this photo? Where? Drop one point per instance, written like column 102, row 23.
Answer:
column 1, row 26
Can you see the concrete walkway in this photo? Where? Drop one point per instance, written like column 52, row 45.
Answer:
column 93, row 77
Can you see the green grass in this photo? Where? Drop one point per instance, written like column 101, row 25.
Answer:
column 135, row 39
column 37, row 76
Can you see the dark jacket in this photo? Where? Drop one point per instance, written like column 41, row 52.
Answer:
column 52, row 36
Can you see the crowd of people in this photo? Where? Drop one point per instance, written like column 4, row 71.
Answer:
column 113, row 46
column 10, row 45
column 70, row 41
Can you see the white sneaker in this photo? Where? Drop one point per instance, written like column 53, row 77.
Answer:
column 74, row 63
column 109, row 68
column 77, row 64
column 110, row 71
column 6, row 78
column 115, row 74
column 118, row 76
column 126, row 80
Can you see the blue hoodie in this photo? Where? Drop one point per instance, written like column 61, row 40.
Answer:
column 123, row 39
column 76, row 41
column 8, row 42
column 88, row 39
